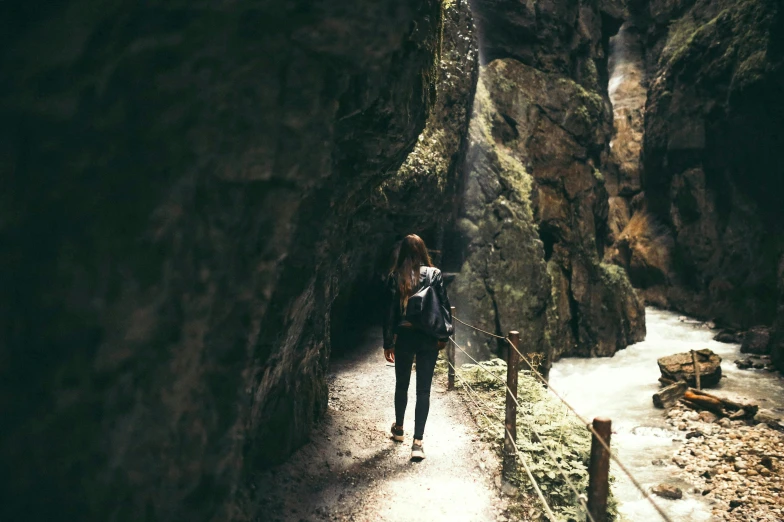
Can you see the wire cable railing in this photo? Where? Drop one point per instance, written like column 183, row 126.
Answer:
column 530, row 426
column 571, row 408
column 518, row 453
column 479, row 329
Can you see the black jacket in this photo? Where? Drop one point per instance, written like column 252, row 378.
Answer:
column 393, row 315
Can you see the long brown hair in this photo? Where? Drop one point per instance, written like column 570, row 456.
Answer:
column 411, row 256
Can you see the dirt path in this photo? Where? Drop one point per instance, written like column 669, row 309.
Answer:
column 352, row 470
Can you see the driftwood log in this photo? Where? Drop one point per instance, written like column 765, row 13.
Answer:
column 670, row 394
column 701, row 400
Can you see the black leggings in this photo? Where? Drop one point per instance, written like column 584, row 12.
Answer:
column 411, row 343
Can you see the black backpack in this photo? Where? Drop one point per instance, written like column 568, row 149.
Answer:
column 426, row 312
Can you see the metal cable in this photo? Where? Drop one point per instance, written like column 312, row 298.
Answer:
column 530, row 425
column 478, row 329
column 547, row 509
column 573, row 410
column 594, row 432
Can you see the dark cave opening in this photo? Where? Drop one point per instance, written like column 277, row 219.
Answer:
column 357, row 313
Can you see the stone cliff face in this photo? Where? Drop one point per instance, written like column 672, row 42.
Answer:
column 422, row 196
column 178, row 183
column 534, row 216
column 707, row 238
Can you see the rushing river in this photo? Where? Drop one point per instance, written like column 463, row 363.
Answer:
column 621, row 388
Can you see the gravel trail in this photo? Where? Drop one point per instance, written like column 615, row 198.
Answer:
column 352, row 470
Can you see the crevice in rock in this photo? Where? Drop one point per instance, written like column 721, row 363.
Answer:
column 548, row 237
column 512, row 124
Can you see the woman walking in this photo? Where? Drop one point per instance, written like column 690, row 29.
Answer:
column 419, row 330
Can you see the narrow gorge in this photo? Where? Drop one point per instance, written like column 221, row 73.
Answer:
column 201, row 201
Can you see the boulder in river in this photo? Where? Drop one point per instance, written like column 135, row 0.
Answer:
column 756, row 340
column 729, row 336
column 667, row 491
column 680, row 367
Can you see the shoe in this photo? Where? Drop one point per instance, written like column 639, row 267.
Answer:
column 417, row 451
column 397, row 433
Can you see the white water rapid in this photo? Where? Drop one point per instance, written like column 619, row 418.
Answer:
column 621, row 388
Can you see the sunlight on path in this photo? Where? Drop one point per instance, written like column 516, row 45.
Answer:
column 353, row 471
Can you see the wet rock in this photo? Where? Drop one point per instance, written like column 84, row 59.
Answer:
column 681, row 367
column 708, row 416
column 729, row 336
column 744, row 364
column 693, row 434
column 756, row 341
column 768, row 418
column 667, row 491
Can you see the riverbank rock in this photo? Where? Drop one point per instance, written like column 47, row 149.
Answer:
column 667, row 491
column 756, row 341
column 727, row 466
column 681, row 367
column 772, row 419
column 729, row 337
column 756, row 362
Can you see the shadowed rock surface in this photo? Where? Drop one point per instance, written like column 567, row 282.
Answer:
column 178, row 184
column 756, row 341
column 707, row 239
column 712, row 170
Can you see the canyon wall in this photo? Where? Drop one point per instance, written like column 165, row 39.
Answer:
column 704, row 235
column 534, row 219
column 182, row 188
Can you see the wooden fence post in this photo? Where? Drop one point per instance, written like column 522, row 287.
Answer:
column 599, row 471
column 450, row 356
column 510, row 433
column 696, row 369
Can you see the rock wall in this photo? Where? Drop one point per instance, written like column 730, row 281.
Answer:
column 713, row 173
column 178, row 183
column 424, row 193
column 534, row 216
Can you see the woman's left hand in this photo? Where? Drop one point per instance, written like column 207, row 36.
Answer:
column 441, row 345
column 389, row 354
